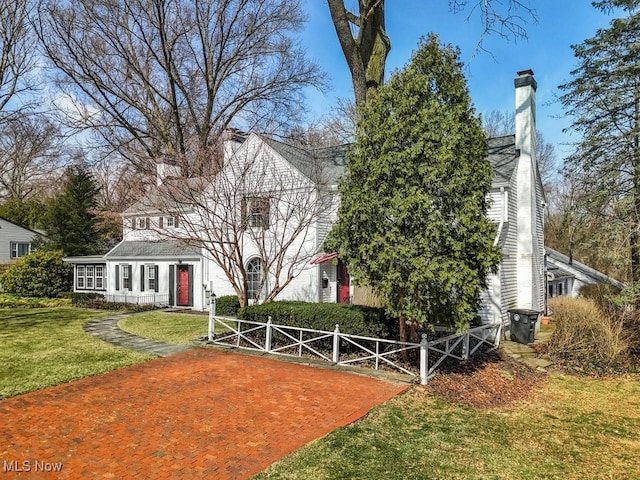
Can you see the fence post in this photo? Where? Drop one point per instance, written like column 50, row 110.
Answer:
column 212, row 314
column 211, row 325
column 267, row 340
column 465, row 346
column 336, row 344
column 424, row 359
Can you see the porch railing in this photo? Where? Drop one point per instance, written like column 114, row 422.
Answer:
column 157, row 299
column 416, row 359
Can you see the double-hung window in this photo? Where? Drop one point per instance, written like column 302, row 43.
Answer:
column 123, row 277
column 255, row 212
column 99, row 277
column 149, row 278
column 20, row 249
column 80, row 276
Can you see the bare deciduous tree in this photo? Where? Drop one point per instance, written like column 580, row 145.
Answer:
column 365, row 43
column 30, row 151
column 160, row 78
column 497, row 123
column 337, row 129
column 253, row 207
column 17, row 56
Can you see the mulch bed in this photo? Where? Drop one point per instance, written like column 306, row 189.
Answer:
column 489, row 379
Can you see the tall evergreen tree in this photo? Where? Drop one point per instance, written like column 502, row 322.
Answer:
column 412, row 222
column 70, row 221
column 604, row 100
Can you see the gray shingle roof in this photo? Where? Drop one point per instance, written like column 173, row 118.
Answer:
column 142, row 249
column 321, row 165
column 559, row 258
column 503, row 156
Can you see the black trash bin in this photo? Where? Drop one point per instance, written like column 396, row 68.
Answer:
column 523, row 325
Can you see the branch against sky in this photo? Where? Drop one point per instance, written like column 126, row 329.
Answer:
column 497, row 123
column 17, row 56
column 159, row 78
column 365, row 44
column 30, row 151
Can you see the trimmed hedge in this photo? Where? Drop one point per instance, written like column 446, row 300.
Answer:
column 352, row 319
column 227, row 305
column 82, row 299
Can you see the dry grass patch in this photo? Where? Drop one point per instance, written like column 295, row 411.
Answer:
column 568, row 428
column 590, row 337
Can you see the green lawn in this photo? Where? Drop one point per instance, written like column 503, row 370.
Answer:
column 41, row 347
column 573, row 428
column 181, row 328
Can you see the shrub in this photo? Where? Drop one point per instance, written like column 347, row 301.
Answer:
column 589, row 336
column 603, row 294
column 12, row 301
column 82, row 299
column 227, row 305
column 39, row 274
column 352, row 319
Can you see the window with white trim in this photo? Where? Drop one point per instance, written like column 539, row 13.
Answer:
column 20, row 249
column 80, row 276
column 142, row 223
column 254, row 278
column 99, row 277
column 151, row 278
column 90, row 276
column 255, row 212
column 126, row 277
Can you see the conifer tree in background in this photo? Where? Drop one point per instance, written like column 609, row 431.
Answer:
column 604, row 100
column 412, row 222
column 70, row 222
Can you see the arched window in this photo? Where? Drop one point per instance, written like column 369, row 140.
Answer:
column 254, row 277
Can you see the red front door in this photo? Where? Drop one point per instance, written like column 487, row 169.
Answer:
column 343, row 284
column 183, row 285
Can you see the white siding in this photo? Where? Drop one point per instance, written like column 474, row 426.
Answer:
column 508, row 269
column 10, row 233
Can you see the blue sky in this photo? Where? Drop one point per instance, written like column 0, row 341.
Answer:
column 547, row 52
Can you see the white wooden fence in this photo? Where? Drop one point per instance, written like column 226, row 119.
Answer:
column 157, row 299
column 352, row 349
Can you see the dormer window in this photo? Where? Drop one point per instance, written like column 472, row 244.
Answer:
column 142, row 223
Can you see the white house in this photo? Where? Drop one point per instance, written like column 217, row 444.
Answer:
column 15, row 241
column 566, row 276
column 269, row 196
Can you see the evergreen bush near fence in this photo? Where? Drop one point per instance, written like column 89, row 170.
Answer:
column 227, row 305
column 352, row 319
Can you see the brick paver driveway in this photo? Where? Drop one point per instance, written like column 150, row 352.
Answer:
column 200, row 413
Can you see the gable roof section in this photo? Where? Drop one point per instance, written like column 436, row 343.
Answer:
column 20, row 227
column 144, row 249
column 578, row 269
column 503, row 157
column 320, row 165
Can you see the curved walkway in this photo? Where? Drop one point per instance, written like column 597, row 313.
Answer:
column 107, row 329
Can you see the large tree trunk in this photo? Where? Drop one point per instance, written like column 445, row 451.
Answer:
column 366, row 52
